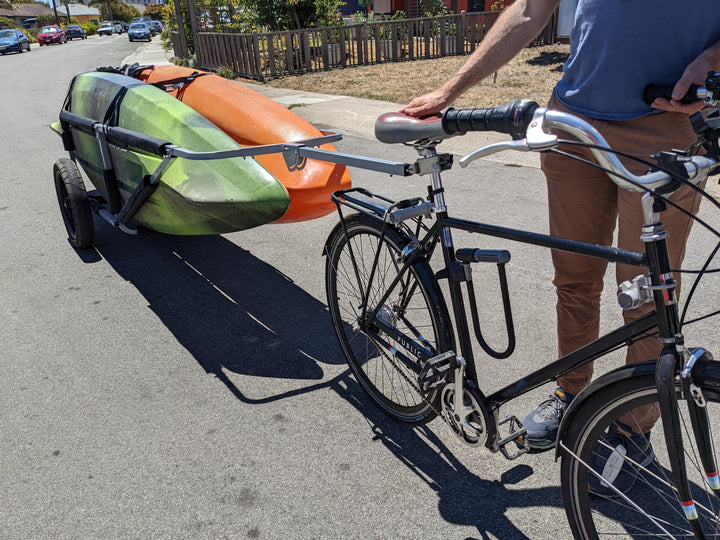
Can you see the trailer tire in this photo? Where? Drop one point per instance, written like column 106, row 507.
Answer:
column 74, row 203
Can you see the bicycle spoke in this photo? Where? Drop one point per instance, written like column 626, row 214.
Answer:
column 383, row 337
column 649, row 504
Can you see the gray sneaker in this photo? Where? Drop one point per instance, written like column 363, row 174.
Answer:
column 543, row 422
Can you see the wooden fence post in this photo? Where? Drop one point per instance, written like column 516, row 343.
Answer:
column 182, row 38
column 256, row 63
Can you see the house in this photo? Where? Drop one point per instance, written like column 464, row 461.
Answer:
column 82, row 13
column 566, row 19
column 413, row 8
column 22, row 12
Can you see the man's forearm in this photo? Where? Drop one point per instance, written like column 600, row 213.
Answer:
column 517, row 26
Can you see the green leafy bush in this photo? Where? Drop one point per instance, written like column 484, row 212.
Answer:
column 5, row 22
column 45, row 20
column 226, row 72
column 90, row 28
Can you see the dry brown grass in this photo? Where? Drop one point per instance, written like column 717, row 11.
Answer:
column 531, row 75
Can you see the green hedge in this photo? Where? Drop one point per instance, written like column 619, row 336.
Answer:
column 90, row 28
column 5, row 22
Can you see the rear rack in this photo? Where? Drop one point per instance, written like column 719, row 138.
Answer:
column 392, row 212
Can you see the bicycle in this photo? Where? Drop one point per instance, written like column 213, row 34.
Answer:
column 417, row 362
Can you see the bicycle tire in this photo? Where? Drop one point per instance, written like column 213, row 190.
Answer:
column 658, row 512
column 392, row 384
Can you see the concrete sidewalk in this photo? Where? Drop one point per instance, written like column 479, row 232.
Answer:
column 350, row 115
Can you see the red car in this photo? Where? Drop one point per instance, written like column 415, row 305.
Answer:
column 51, row 34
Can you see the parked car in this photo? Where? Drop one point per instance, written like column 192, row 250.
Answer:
column 157, row 26
column 75, row 31
column 13, row 40
column 146, row 20
column 105, row 29
column 139, row 31
column 27, row 24
column 51, row 34
column 123, row 26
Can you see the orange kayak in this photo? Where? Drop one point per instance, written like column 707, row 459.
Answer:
column 252, row 119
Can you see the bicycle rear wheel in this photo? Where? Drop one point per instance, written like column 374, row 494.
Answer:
column 650, row 508
column 385, row 352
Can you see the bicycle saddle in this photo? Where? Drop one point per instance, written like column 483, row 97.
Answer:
column 395, row 127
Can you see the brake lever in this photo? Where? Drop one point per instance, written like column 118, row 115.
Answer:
column 519, row 146
column 536, row 140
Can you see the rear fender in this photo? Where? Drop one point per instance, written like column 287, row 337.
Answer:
column 338, row 229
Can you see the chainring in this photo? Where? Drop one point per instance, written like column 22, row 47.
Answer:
column 468, row 424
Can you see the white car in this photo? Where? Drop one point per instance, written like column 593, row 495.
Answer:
column 106, row 29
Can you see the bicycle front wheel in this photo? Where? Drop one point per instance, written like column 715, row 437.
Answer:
column 385, row 351
column 650, row 507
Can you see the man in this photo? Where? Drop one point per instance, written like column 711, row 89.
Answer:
column 617, row 47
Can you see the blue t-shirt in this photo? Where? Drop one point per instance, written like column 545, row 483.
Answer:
column 617, row 47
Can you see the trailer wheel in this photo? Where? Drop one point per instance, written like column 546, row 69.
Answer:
column 74, row 203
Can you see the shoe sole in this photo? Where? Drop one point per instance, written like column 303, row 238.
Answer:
column 610, row 493
column 541, row 444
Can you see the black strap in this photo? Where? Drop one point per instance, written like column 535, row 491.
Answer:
column 111, row 115
column 178, row 83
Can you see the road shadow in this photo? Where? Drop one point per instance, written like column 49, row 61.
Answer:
column 226, row 307
column 233, row 312
column 463, row 497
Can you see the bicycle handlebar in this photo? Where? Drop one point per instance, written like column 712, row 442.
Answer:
column 654, row 91
column 539, row 136
column 512, row 118
column 534, row 129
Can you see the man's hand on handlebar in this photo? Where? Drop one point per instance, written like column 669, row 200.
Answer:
column 695, row 73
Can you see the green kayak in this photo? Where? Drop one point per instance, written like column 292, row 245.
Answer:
column 193, row 197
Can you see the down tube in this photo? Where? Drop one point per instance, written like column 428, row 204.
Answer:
column 580, row 357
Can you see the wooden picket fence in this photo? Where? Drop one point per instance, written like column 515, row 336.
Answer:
column 262, row 56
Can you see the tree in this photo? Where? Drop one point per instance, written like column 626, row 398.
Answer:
column 277, row 15
column 155, row 11
column 115, row 10
column 366, row 4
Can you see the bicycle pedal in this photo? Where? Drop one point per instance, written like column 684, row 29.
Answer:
column 435, row 370
column 517, row 434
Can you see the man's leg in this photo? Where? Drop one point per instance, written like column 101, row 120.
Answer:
column 582, row 205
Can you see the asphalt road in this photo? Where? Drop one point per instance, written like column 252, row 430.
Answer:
column 170, row 387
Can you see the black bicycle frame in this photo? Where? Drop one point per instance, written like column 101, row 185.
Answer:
column 566, row 364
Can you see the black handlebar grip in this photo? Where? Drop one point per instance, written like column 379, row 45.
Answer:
column 654, row 91
column 512, row 118
column 137, row 140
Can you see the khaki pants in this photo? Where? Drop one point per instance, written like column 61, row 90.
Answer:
column 584, row 204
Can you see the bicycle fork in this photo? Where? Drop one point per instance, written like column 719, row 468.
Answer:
column 666, row 378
